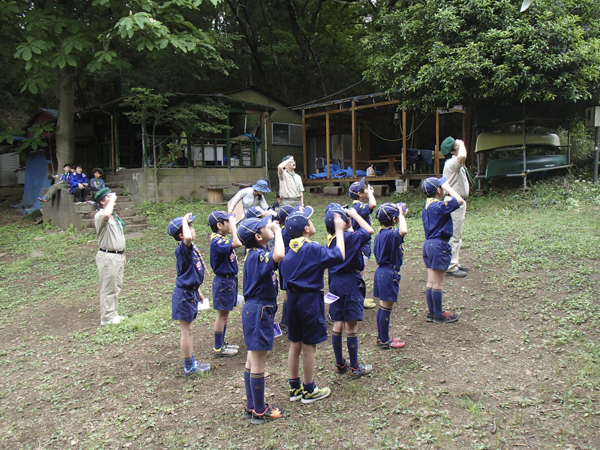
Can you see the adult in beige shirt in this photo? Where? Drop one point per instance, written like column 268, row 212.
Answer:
column 291, row 190
column 455, row 172
column 110, row 258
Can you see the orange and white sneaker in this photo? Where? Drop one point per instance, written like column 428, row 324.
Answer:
column 272, row 412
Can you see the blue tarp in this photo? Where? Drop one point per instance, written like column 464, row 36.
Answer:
column 336, row 171
column 36, row 179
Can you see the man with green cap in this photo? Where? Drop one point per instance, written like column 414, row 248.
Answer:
column 110, row 258
column 291, row 190
column 455, row 172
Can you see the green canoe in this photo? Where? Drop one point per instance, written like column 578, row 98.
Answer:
column 514, row 166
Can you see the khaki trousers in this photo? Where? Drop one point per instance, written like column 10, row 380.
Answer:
column 291, row 201
column 110, row 268
column 458, row 219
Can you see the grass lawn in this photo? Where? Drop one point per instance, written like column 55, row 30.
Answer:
column 521, row 369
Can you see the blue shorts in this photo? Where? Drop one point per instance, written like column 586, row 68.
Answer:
column 257, row 322
column 437, row 254
column 366, row 250
column 386, row 284
column 349, row 306
column 184, row 304
column 284, row 312
column 306, row 317
column 224, row 292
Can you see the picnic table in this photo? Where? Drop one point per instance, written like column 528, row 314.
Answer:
column 391, row 161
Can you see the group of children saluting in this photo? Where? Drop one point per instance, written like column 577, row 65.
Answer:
column 284, row 245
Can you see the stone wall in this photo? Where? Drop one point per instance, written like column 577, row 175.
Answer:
column 177, row 182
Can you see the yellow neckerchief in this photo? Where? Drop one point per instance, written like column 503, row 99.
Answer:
column 297, row 243
column 385, row 228
column 430, row 201
column 219, row 236
column 330, row 238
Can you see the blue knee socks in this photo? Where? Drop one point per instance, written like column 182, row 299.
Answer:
column 219, row 338
column 336, row 340
column 436, row 300
column 257, row 385
column 295, row 383
column 352, row 342
column 383, row 324
column 224, row 331
column 249, row 398
column 429, row 300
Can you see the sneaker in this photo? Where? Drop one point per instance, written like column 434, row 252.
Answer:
column 369, row 303
column 363, row 369
column 225, row 351
column 463, row 268
column 429, row 317
column 317, row 394
column 457, row 274
column 295, row 394
column 283, row 327
column 446, row 317
column 122, row 317
column 42, row 199
column 114, row 321
column 227, row 344
column 272, row 412
column 247, row 414
column 196, row 368
column 342, row 369
column 392, row 343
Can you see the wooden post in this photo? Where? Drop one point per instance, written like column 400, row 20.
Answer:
column 304, row 144
column 403, row 141
column 328, row 145
column 353, row 138
column 437, row 142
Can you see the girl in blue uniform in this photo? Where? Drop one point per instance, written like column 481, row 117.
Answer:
column 437, row 252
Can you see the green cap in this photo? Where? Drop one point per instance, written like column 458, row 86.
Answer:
column 447, row 145
column 101, row 194
column 285, row 158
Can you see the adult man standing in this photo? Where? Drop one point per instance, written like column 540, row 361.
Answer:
column 110, row 258
column 455, row 172
column 291, row 190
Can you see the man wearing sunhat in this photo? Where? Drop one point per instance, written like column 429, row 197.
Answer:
column 291, row 190
column 110, row 258
column 251, row 196
column 455, row 172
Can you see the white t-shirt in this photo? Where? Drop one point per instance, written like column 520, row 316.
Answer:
column 248, row 199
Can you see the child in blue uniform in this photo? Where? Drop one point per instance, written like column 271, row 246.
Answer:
column 345, row 282
column 437, row 252
column 225, row 283
column 302, row 272
column 360, row 192
column 388, row 253
column 282, row 215
column 260, row 294
column 186, row 294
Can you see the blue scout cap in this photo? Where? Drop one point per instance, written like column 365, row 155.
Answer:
column 387, row 212
column 355, row 188
column 330, row 214
column 447, row 145
column 254, row 212
column 175, row 225
column 285, row 211
column 430, row 185
column 218, row 216
column 261, row 186
column 295, row 223
column 249, row 227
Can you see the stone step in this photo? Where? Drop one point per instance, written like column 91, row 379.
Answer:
column 128, row 221
column 122, row 213
column 120, row 177
column 120, row 206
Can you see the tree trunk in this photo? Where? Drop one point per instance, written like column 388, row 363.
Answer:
column 65, row 124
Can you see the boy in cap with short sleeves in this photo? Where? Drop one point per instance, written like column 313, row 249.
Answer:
column 260, row 295
column 302, row 272
column 346, row 282
column 186, row 294
column 225, row 283
column 388, row 253
column 437, row 252
column 360, row 192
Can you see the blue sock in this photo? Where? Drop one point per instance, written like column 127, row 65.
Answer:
column 383, row 324
column 189, row 362
column 429, row 300
column 352, row 342
column 218, row 340
column 436, row 299
column 249, row 399
column 257, row 385
column 377, row 316
column 224, row 331
column 336, row 340
column 310, row 386
column 295, row 383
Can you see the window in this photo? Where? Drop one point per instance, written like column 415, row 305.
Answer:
column 287, row 134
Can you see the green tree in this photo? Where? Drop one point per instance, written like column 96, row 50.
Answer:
column 436, row 53
column 57, row 40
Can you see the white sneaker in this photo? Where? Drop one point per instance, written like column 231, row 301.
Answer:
column 115, row 321
column 122, row 317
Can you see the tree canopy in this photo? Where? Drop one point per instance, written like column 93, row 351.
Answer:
column 434, row 53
